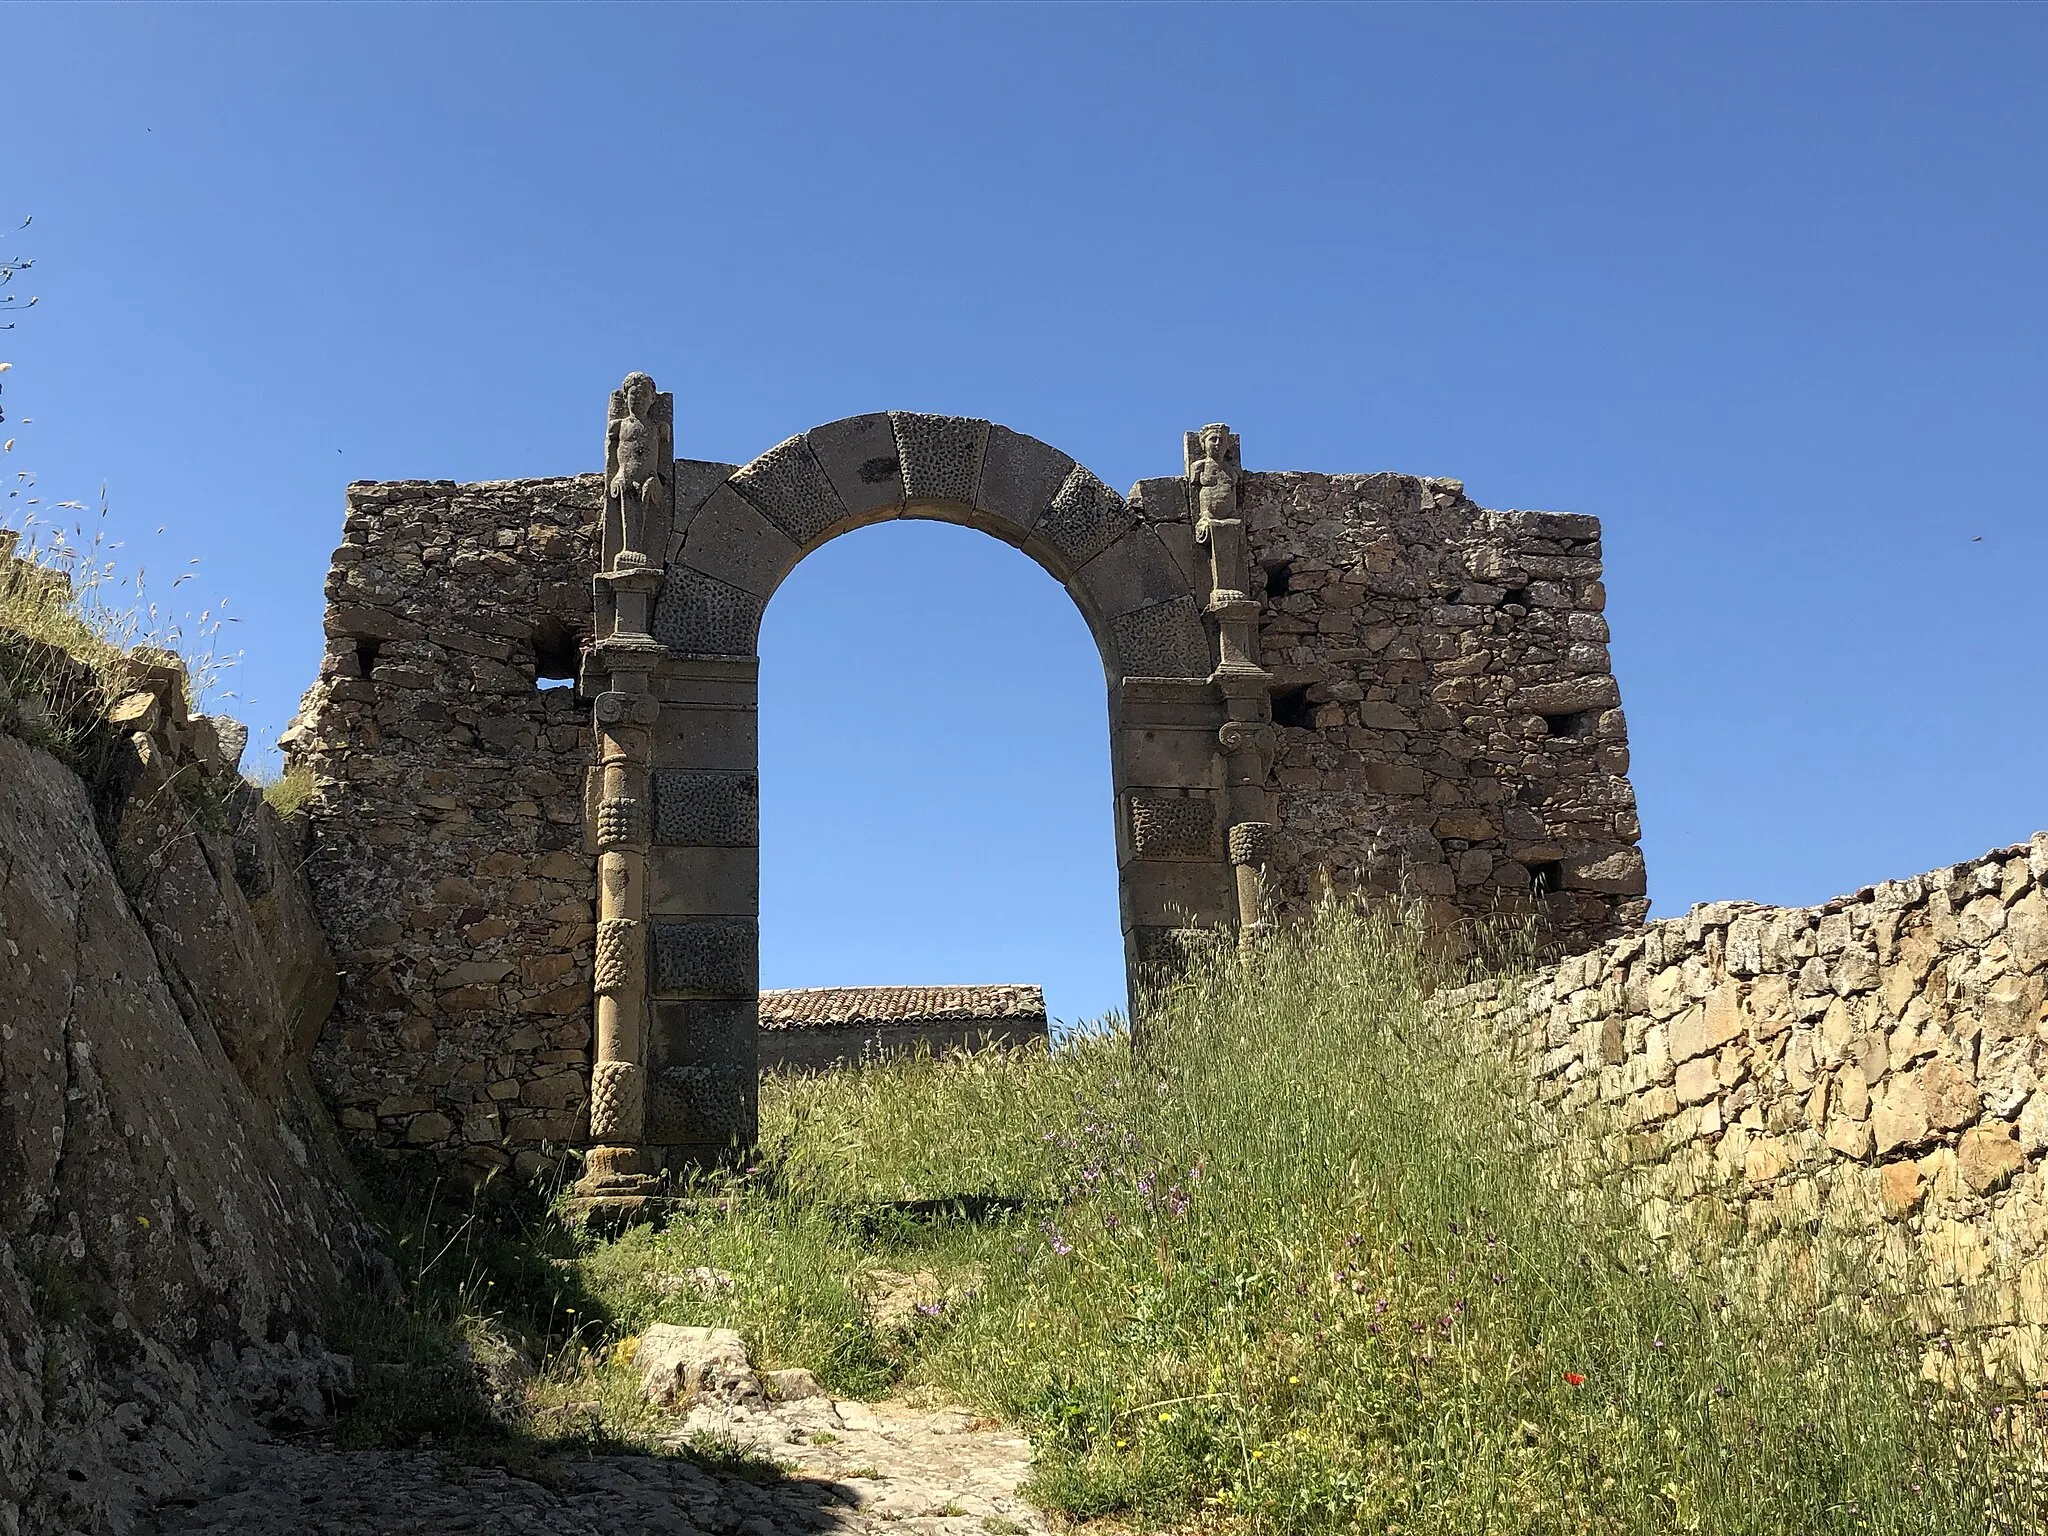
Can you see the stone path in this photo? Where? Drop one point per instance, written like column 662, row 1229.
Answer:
column 858, row 1468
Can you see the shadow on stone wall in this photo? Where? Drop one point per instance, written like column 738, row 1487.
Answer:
column 173, row 1216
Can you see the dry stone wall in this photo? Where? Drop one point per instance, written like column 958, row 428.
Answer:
column 1445, row 721
column 1877, row 1065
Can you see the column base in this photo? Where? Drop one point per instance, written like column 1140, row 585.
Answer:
column 614, row 1193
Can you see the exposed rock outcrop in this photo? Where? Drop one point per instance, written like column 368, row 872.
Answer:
column 171, row 1223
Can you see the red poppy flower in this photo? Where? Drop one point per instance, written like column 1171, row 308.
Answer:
column 1573, row 1378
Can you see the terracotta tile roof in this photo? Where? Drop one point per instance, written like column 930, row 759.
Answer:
column 833, row 1007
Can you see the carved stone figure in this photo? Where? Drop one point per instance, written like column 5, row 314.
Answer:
column 639, row 464
column 1213, row 466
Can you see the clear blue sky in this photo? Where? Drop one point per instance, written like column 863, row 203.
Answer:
column 1762, row 287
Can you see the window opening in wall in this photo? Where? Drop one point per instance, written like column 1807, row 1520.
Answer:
column 366, row 655
column 1291, row 708
column 1279, row 580
column 1545, row 878
column 555, row 655
column 1573, row 727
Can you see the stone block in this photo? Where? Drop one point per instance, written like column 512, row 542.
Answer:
column 1769, row 1006
column 429, row 1129
column 941, row 455
column 1472, row 826
column 1900, row 1118
column 1401, row 779
column 733, row 542
column 1767, row 1158
column 1173, row 894
column 1190, row 559
column 703, row 882
column 710, row 737
column 1988, row 1156
column 1949, row 1094
column 1160, row 756
column 716, row 1032
column 1850, row 1138
column 1164, row 640
column 1134, row 572
column 859, row 456
column 715, row 808
column 1697, row 1081
column 2026, row 931
column 697, row 615
column 1173, row 826
column 1709, row 1025
column 678, row 1366
column 718, row 956
column 789, row 489
column 1019, row 478
column 1611, row 871
column 1569, row 696
column 1162, row 500
column 1084, row 519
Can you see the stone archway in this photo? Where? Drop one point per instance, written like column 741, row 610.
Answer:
column 690, row 560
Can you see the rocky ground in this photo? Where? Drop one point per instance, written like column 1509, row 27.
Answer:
column 851, row 1467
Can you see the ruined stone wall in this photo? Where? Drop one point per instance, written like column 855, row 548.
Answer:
column 449, row 857
column 1876, row 1066
column 1446, row 709
column 1446, row 720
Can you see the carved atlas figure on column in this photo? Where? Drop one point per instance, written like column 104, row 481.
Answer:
column 1214, row 468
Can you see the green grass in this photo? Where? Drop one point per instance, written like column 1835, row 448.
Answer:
column 1306, row 1261
column 288, row 789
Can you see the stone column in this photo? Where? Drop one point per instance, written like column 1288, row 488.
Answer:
column 639, row 497
column 1214, row 472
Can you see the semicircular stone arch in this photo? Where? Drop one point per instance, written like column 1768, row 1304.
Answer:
column 687, row 692
column 733, row 549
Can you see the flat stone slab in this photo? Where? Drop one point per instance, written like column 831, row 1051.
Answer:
column 861, row 1468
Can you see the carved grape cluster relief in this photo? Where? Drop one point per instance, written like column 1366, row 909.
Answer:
column 1251, row 843
column 715, row 955
column 618, row 822
column 705, row 1102
column 1172, row 826
column 617, row 1101
column 618, row 949
column 703, row 809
